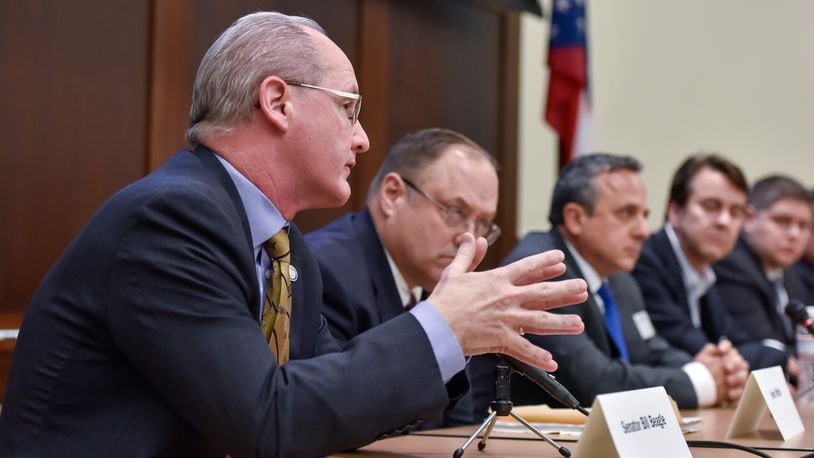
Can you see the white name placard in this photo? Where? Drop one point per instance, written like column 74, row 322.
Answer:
column 766, row 388
column 638, row 423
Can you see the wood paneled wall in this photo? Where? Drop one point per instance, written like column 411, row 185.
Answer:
column 96, row 94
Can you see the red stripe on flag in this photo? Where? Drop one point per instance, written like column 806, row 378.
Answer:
column 567, row 78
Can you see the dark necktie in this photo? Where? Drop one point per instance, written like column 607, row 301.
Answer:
column 276, row 321
column 780, row 300
column 411, row 303
column 613, row 322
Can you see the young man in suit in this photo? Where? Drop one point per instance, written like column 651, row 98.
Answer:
column 707, row 206
column 805, row 266
column 434, row 185
column 184, row 320
column 756, row 281
column 599, row 218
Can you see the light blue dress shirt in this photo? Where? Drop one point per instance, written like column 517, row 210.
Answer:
column 265, row 220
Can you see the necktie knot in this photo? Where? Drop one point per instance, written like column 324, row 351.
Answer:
column 277, row 247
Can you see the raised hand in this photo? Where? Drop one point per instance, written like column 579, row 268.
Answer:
column 490, row 311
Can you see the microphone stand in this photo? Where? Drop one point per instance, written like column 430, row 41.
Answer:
column 502, row 407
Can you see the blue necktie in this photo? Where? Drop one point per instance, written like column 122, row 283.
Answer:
column 613, row 322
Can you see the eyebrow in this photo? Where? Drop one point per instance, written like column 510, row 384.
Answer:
column 459, row 202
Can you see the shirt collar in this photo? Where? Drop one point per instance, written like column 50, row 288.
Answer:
column 774, row 274
column 697, row 284
column 589, row 274
column 405, row 292
column 264, row 218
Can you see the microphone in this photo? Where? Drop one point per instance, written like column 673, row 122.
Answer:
column 547, row 382
column 796, row 310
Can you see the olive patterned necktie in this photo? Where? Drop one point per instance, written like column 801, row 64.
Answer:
column 276, row 321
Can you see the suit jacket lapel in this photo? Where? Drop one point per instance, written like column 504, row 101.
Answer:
column 591, row 316
column 386, row 293
column 664, row 251
column 208, row 159
column 298, row 302
column 757, row 277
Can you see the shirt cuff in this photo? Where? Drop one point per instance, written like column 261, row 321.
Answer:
column 702, row 382
column 445, row 346
column 772, row 343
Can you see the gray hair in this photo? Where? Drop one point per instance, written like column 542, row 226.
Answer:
column 255, row 46
column 575, row 183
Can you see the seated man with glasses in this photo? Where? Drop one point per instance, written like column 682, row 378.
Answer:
column 434, row 185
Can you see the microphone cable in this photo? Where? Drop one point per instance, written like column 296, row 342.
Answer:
column 723, row 444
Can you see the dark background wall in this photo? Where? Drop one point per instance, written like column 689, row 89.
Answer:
column 96, row 94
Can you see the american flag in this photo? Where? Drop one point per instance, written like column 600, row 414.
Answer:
column 568, row 107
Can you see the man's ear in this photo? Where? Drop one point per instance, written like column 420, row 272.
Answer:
column 573, row 216
column 672, row 213
column 274, row 102
column 749, row 219
column 390, row 192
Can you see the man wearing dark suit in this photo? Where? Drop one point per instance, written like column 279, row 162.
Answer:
column 144, row 339
column 705, row 213
column 598, row 212
column 434, row 185
column 755, row 280
column 805, row 266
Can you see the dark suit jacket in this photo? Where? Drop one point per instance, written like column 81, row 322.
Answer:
column 588, row 362
column 658, row 273
column 359, row 291
column 748, row 295
column 805, row 270
column 143, row 340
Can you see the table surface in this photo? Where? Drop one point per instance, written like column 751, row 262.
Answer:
column 713, row 427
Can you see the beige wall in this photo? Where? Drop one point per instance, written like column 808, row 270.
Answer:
column 670, row 78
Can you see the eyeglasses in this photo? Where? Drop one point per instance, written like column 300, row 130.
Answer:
column 456, row 217
column 353, row 107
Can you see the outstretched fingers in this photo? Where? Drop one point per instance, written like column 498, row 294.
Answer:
column 525, row 351
column 552, row 294
column 536, row 322
column 536, row 268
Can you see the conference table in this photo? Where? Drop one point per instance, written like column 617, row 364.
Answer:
column 712, row 427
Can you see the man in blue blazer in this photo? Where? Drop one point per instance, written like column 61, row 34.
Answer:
column 599, row 215
column 706, row 210
column 144, row 338
column 434, row 185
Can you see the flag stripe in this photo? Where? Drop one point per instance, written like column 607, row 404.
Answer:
column 568, row 106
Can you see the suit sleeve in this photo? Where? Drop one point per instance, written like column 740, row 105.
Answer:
column 587, row 371
column 179, row 313
column 670, row 318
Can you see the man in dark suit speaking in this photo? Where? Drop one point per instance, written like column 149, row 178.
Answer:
column 184, row 319
column 434, row 185
column 599, row 214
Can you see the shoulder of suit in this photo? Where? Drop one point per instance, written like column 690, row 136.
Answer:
column 531, row 244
